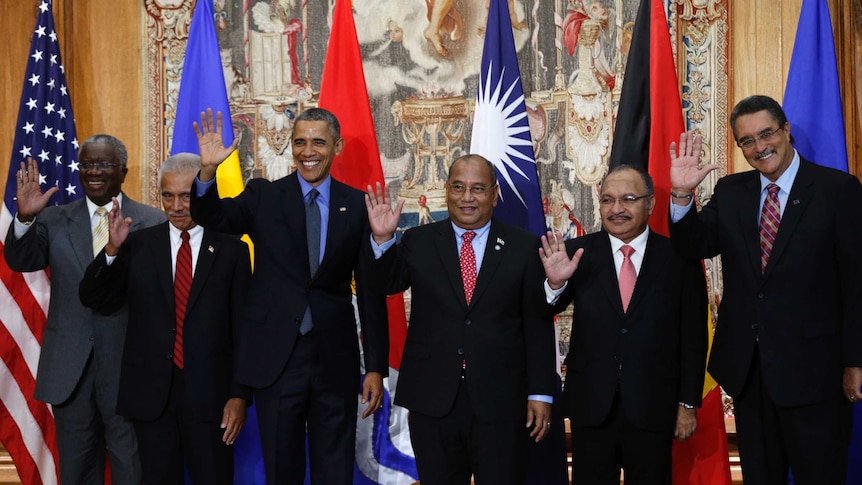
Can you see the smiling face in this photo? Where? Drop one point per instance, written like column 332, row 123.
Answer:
column 100, row 184
column 314, row 149
column 769, row 155
column 467, row 209
column 625, row 221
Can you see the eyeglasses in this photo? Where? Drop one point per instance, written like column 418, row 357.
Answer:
column 103, row 165
column 477, row 190
column 626, row 201
column 748, row 143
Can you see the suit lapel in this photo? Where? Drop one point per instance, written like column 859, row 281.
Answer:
column 748, row 201
column 161, row 251
column 495, row 253
column 447, row 251
column 651, row 264
column 607, row 273
column 206, row 258
column 81, row 233
column 294, row 214
column 798, row 200
column 338, row 214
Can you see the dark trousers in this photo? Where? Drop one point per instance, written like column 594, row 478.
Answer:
column 176, row 437
column 299, row 401
column 600, row 452
column 811, row 440
column 87, row 425
column 451, row 449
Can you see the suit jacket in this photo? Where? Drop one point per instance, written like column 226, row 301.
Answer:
column 61, row 236
column 273, row 214
column 802, row 313
column 142, row 275
column 655, row 351
column 504, row 336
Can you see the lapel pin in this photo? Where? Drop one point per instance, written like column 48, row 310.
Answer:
column 497, row 247
column 795, row 201
column 211, row 249
column 501, row 242
column 342, row 209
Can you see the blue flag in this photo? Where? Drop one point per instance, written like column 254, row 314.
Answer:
column 501, row 133
column 202, row 86
column 500, row 129
column 812, row 98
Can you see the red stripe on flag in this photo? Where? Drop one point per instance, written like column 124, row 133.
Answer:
column 665, row 113
column 15, row 434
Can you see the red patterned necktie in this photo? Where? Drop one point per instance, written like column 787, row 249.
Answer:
column 628, row 276
column 770, row 218
column 182, row 285
column 468, row 265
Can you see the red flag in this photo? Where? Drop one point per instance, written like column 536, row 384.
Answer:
column 650, row 113
column 343, row 92
column 648, row 120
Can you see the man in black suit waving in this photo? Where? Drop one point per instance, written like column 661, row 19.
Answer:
column 788, row 341
column 635, row 368
column 479, row 356
column 299, row 349
column 184, row 286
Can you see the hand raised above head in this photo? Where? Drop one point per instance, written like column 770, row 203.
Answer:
column 685, row 170
column 211, row 143
column 381, row 216
column 118, row 228
column 29, row 196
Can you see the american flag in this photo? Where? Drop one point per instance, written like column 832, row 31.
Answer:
column 45, row 132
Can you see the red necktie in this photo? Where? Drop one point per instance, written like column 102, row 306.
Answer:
column 468, row 265
column 182, row 285
column 628, row 276
column 770, row 218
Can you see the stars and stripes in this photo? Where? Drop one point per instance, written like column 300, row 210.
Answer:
column 45, row 131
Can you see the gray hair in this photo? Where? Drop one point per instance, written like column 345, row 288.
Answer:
column 119, row 148
column 181, row 162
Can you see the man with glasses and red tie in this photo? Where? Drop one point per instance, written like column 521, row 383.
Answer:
column 788, row 341
column 635, row 368
column 79, row 366
column 479, row 358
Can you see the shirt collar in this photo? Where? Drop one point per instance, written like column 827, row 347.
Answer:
column 323, row 189
column 91, row 206
column 785, row 181
column 638, row 243
column 480, row 232
column 175, row 233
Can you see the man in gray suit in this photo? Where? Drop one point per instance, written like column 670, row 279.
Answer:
column 79, row 365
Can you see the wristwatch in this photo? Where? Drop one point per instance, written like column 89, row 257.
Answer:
column 685, row 405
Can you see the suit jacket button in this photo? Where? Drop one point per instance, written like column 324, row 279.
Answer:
column 467, row 322
column 754, row 326
column 760, row 296
column 460, row 351
column 170, row 356
column 624, row 331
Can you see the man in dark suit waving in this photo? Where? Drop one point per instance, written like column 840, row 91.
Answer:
column 635, row 368
column 479, row 358
column 299, row 349
column 184, row 286
column 788, row 341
